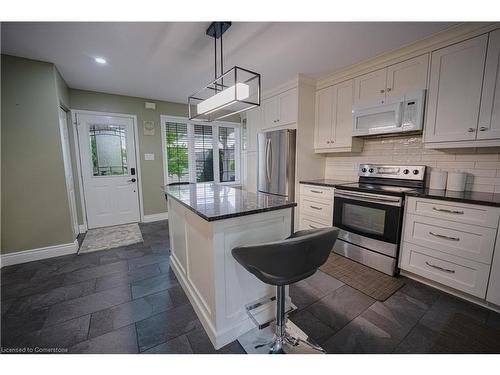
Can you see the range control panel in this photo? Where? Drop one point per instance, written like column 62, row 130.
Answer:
column 404, row 172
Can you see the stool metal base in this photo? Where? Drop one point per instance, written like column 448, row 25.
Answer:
column 294, row 341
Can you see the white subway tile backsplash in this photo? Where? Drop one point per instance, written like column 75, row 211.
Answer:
column 482, row 165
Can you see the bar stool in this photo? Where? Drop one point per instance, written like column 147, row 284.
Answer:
column 283, row 263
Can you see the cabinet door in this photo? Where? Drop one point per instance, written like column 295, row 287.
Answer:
column 489, row 115
column 270, row 112
column 324, row 118
column 287, row 106
column 370, row 87
column 343, row 95
column 454, row 96
column 409, row 75
column 254, row 127
column 493, row 294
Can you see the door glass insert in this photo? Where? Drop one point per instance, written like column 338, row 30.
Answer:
column 227, row 160
column 177, row 152
column 364, row 219
column 108, row 147
column 203, row 151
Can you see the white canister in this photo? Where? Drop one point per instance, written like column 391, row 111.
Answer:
column 438, row 179
column 456, row 181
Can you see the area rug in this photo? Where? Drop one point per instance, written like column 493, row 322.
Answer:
column 365, row 279
column 110, row 237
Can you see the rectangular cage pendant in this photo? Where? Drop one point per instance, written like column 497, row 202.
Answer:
column 235, row 91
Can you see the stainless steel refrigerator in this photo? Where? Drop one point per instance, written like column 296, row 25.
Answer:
column 276, row 162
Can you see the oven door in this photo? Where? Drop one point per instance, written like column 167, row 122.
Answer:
column 374, row 216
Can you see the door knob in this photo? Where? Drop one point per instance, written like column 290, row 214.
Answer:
column 132, row 180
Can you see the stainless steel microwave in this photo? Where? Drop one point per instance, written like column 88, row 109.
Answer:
column 395, row 115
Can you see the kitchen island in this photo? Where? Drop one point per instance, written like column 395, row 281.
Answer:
column 206, row 221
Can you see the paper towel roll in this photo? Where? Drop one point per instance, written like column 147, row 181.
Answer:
column 438, row 179
column 456, row 181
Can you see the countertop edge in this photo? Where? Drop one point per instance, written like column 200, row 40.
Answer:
column 233, row 215
column 319, row 183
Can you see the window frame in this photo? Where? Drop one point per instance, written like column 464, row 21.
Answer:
column 215, row 146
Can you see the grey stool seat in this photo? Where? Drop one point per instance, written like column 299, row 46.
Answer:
column 285, row 262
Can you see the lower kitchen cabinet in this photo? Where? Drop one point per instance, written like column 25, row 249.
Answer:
column 315, row 207
column 453, row 244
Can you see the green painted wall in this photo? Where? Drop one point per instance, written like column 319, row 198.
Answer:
column 152, row 171
column 35, row 211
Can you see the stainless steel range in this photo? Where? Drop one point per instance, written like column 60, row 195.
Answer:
column 370, row 212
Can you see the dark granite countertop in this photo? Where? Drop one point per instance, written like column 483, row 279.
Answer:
column 217, row 202
column 326, row 182
column 473, row 197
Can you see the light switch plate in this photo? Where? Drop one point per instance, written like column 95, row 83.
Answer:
column 149, row 156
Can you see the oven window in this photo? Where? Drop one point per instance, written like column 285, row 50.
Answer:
column 364, row 219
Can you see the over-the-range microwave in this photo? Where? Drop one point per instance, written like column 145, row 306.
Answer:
column 395, row 115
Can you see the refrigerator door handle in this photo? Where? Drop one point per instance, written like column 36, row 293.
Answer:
column 269, row 160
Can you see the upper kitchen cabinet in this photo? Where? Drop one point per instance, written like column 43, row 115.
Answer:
column 370, row 87
column 333, row 124
column 407, row 76
column 280, row 109
column 454, row 97
column 395, row 80
column 489, row 113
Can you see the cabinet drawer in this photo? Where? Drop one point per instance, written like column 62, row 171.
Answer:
column 460, row 212
column 311, row 223
column 313, row 191
column 462, row 240
column 319, row 210
column 462, row 274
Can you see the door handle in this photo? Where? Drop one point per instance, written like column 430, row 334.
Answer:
column 132, row 180
column 269, row 159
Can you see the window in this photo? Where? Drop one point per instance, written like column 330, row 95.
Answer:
column 108, row 149
column 195, row 152
column 227, row 161
column 176, row 138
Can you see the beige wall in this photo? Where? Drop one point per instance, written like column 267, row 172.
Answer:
column 482, row 165
column 35, row 211
column 152, row 171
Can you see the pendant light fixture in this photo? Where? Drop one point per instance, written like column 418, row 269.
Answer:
column 231, row 92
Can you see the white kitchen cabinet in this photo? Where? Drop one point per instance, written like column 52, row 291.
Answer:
column 281, row 109
column 395, row 80
column 315, row 206
column 493, row 294
column 456, row 80
column 254, row 126
column 407, row 76
column 489, row 114
column 371, row 87
column 333, row 126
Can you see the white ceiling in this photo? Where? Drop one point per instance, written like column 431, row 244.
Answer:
column 169, row 61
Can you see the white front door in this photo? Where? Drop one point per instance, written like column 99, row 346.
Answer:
column 109, row 171
column 68, row 170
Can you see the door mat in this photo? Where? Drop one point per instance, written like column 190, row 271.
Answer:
column 465, row 335
column 111, row 237
column 373, row 283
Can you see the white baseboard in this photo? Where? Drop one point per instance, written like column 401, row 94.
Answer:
column 82, row 228
column 155, row 217
column 37, row 254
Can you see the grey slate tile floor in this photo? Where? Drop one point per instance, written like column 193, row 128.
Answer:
column 127, row 300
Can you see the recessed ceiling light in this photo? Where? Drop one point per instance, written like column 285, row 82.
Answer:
column 100, row 60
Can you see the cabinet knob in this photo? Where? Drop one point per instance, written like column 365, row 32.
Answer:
column 382, row 91
column 471, row 130
column 327, row 142
column 389, row 89
column 332, row 141
column 483, row 128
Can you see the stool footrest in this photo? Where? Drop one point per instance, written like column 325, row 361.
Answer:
column 263, row 311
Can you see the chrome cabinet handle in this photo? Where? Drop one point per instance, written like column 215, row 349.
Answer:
column 327, row 142
column 316, row 191
column 382, row 91
column 443, row 236
column 332, row 141
column 448, row 211
column 471, row 130
column 316, row 208
column 483, row 128
column 389, row 89
column 439, row 268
